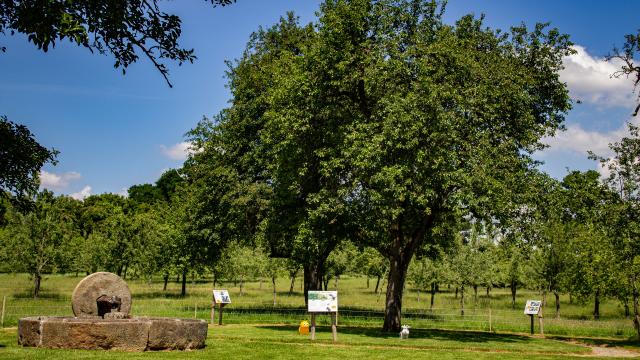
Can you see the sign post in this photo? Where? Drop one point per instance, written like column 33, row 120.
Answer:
column 323, row 302
column 532, row 308
column 221, row 298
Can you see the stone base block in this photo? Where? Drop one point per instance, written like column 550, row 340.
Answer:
column 136, row 334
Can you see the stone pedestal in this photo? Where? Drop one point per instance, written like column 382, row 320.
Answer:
column 135, row 334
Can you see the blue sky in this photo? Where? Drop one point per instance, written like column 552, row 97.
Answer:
column 114, row 131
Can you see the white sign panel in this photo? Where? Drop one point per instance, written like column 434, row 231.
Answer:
column 221, row 297
column 322, row 301
column 532, row 307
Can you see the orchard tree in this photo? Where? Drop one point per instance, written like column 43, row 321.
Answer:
column 382, row 124
column 370, row 263
column 443, row 111
column 428, row 273
column 36, row 241
column 623, row 214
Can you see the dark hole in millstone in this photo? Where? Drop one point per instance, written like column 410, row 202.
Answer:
column 107, row 304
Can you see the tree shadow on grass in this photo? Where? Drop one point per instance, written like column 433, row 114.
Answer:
column 158, row 295
column 629, row 342
column 28, row 294
column 431, row 334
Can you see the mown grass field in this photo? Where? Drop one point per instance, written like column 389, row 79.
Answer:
column 245, row 341
column 359, row 306
column 255, row 328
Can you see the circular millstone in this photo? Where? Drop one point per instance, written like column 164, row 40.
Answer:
column 85, row 295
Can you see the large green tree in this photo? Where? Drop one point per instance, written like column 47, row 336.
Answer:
column 383, row 124
column 445, row 110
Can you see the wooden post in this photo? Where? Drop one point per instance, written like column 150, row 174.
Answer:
column 195, row 310
column 313, row 326
column 4, row 302
column 220, row 313
column 213, row 311
column 541, row 322
column 334, row 326
column 531, row 316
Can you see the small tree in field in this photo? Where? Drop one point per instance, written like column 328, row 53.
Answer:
column 623, row 215
column 35, row 242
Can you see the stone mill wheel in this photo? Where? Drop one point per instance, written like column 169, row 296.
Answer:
column 84, row 300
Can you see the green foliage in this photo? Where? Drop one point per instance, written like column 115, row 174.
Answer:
column 122, row 28
column 41, row 240
column 628, row 55
column 21, row 158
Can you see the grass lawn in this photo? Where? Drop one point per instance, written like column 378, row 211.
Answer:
column 359, row 305
column 245, row 341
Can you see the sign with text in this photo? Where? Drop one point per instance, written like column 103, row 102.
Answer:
column 322, row 301
column 532, row 307
column 221, row 297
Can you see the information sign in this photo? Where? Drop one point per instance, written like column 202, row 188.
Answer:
column 221, row 297
column 532, row 307
column 322, row 301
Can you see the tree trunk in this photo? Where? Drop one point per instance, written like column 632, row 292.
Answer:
column 462, row 300
column 37, row 280
column 336, row 282
column 398, row 265
column 488, row 291
column 183, row 291
column 456, row 296
column 166, row 280
column 241, row 286
column 326, row 282
column 475, row 295
column 514, row 288
column 367, row 282
column 596, row 306
column 377, row 285
column 293, row 282
column 418, row 295
column 557, row 295
column 636, row 309
column 433, row 295
column 273, row 281
column 627, row 314
column 312, row 278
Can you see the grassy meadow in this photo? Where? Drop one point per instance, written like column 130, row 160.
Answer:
column 255, row 328
column 358, row 304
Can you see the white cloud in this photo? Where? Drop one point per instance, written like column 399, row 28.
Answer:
column 589, row 79
column 179, row 151
column 82, row 194
column 579, row 140
column 54, row 181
